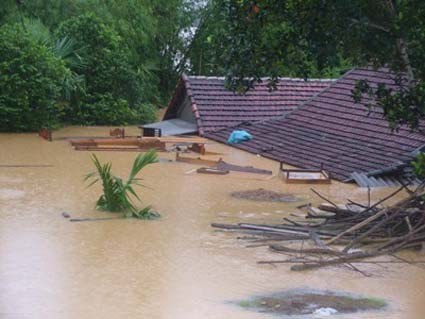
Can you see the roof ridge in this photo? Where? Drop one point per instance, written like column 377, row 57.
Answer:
column 206, row 77
column 303, row 104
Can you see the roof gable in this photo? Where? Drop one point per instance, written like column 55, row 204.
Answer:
column 216, row 107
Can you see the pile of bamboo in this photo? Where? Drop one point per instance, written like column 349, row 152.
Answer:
column 333, row 235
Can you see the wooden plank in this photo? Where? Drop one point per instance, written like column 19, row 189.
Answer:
column 138, row 141
column 23, row 165
column 106, row 141
column 117, row 142
column 117, row 149
column 358, row 226
column 295, row 176
column 307, row 181
column 211, row 170
column 196, row 161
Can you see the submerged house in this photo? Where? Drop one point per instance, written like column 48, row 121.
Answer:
column 351, row 141
column 202, row 104
column 306, row 124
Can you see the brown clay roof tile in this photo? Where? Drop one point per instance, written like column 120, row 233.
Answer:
column 331, row 129
column 217, row 107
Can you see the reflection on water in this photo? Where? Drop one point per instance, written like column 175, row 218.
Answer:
column 177, row 267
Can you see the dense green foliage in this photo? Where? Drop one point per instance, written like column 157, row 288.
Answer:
column 31, row 81
column 117, row 194
column 241, row 39
column 313, row 37
column 129, row 54
column 132, row 52
column 113, row 89
column 419, row 166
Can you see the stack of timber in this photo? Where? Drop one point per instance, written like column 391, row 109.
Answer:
column 334, row 234
column 135, row 144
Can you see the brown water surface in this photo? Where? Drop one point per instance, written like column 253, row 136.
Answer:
column 176, row 267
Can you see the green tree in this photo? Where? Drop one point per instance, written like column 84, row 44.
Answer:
column 311, row 36
column 176, row 25
column 234, row 40
column 31, row 82
column 113, row 88
column 7, row 9
column 154, row 32
column 65, row 50
column 50, row 12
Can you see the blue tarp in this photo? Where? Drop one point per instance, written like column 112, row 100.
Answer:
column 237, row 137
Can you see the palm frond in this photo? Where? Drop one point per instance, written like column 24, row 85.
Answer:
column 117, row 195
column 131, row 190
column 65, row 49
column 38, row 31
column 140, row 162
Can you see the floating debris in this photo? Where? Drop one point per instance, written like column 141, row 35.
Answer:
column 211, row 170
column 375, row 230
column 66, row 215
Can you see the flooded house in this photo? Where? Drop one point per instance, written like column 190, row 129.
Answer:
column 178, row 266
column 202, row 104
column 309, row 124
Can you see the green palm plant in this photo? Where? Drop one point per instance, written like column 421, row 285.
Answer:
column 65, row 49
column 118, row 196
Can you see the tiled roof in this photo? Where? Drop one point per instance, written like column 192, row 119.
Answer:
column 331, row 129
column 215, row 107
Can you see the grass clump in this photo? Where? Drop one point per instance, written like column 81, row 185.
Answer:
column 249, row 303
column 299, row 302
column 118, row 195
column 375, row 303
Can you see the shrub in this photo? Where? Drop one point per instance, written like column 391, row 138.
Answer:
column 147, row 113
column 419, row 166
column 107, row 110
column 104, row 110
column 31, row 79
column 113, row 87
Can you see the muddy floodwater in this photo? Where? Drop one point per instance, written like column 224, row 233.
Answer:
column 175, row 267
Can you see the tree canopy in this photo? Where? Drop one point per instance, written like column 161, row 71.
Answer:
column 315, row 37
column 28, row 105
column 130, row 54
